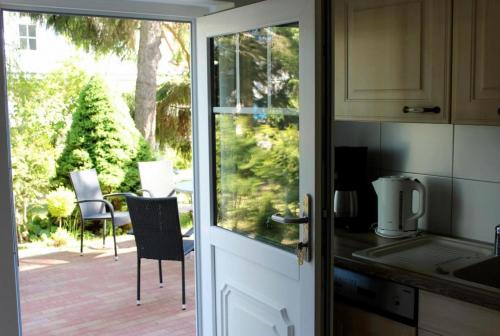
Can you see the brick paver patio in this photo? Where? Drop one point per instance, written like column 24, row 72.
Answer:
column 63, row 293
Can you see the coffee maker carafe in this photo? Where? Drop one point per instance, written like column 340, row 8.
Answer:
column 354, row 201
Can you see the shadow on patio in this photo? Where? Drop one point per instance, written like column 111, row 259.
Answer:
column 63, row 293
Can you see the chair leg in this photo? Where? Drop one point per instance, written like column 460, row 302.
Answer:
column 114, row 240
column 138, row 280
column 81, row 238
column 183, row 286
column 161, row 275
column 104, row 234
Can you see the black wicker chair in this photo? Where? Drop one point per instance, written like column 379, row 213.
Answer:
column 94, row 206
column 158, row 235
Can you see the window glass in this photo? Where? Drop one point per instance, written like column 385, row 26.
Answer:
column 32, row 44
column 23, row 43
column 256, row 132
column 32, row 31
column 27, row 37
column 23, row 30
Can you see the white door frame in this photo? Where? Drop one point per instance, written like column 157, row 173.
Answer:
column 10, row 319
column 9, row 294
column 204, row 180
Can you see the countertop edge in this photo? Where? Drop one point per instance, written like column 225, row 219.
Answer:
column 445, row 287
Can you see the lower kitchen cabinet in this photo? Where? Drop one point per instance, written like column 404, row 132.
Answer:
column 443, row 316
column 423, row 332
column 352, row 321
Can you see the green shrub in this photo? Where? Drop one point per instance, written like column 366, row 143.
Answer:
column 105, row 138
column 61, row 202
column 60, row 238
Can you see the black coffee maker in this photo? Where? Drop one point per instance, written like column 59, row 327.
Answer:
column 355, row 201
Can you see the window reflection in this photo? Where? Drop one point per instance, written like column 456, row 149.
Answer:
column 256, row 119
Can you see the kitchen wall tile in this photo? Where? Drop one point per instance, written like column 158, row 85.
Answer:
column 353, row 133
column 417, row 148
column 437, row 218
column 476, row 209
column 477, row 152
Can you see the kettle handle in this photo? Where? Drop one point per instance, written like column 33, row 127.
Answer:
column 418, row 186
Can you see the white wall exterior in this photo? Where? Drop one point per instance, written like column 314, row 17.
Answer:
column 53, row 51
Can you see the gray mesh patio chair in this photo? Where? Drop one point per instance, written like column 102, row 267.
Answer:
column 157, row 232
column 94, row 206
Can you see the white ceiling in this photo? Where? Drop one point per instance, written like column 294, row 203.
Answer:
column 212, row 5
column 145, row 8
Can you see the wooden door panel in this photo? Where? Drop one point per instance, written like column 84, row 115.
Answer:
column 390, row 54
column 351, row 321
column 392, row 36
column 476, row 70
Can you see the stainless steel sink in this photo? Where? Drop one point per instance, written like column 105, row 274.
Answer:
column 457, row 260
column 428, row 254
column 486, row 273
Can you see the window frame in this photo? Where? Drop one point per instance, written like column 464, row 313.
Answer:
column 27, row 37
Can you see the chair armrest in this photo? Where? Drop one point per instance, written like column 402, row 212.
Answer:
column 188, row 233
column 125, row 194
column 107, row 204
column 145, row 191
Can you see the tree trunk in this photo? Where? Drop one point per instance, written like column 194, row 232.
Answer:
column 145, row 90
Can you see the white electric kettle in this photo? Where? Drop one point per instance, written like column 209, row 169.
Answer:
column 396, row 218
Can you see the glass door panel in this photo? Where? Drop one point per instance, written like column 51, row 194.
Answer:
column 256, row 132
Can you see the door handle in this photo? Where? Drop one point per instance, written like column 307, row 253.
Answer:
column 278, row 218
column 304, row 247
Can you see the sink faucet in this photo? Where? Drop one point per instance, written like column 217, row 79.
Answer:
column 497, row 241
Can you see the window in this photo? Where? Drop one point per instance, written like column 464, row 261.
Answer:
column 255, row 115
column 27, row 36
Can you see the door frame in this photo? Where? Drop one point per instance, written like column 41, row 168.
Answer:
column 323, row 234
column 11, row 319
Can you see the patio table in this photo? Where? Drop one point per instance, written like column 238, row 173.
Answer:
column 185, row 186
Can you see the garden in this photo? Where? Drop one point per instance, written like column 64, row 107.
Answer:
column 72, row 117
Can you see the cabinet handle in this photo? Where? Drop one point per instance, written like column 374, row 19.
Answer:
column 410, row 109
column 498, row 111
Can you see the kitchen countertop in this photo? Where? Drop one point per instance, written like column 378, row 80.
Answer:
column 345, row 243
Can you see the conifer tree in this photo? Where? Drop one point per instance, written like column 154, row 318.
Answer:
column 105, row 138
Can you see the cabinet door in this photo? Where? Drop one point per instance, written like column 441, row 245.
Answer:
column 423, row 332
column 446, row 316
column 390, row 54
column 476, row 66
column 351, row 321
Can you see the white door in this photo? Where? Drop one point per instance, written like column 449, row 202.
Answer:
column 256, row 155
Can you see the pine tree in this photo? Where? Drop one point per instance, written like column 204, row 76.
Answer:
column 105, row 138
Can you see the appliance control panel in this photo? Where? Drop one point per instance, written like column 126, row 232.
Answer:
column 378, row 294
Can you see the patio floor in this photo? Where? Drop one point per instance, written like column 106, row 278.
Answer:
column 63, row 293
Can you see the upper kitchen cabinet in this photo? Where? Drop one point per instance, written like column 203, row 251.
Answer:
column 392, row 60
column 476, row 62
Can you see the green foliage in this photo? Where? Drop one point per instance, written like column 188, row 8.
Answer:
column 257, row 162
column 186, row 220
column 40, row 110
column 61, row 202
column 257, row 154
column 102, row 35
column 173, row 120
column 105, row 138
column 39, row 225
column 60, row 238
